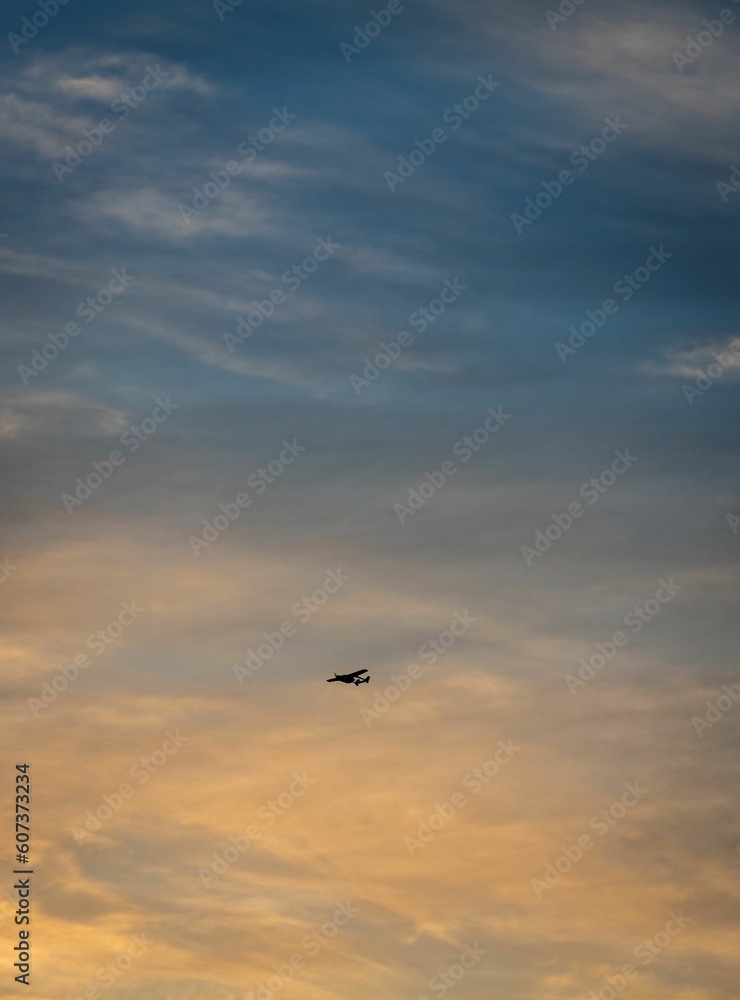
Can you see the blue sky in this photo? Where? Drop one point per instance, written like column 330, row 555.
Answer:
column 657, row 377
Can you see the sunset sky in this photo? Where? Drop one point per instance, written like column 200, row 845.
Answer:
column 401, row 337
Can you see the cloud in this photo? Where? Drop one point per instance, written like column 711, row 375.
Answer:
column 688, row 362
column 389, row 774
column 57, row 413
column 45, row 106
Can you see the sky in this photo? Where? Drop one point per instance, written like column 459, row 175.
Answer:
column 400, row 338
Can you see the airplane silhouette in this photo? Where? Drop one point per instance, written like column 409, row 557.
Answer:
column 353, row 678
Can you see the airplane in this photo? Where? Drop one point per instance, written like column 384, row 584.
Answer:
column 353, row 678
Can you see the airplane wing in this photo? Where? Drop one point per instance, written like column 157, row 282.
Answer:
column 347, row 678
